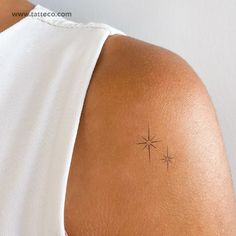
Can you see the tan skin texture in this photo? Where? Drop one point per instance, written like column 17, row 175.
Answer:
column 113, row 188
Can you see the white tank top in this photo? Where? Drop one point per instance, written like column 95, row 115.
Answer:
column 46, row 64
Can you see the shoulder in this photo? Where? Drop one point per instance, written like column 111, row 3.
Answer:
column 149, row 148
column 132, row 67
column 133, row 58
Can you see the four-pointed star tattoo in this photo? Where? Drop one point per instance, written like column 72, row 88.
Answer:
column 149, row 143
column 167, row 158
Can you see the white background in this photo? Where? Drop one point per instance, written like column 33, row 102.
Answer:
column 202, row 32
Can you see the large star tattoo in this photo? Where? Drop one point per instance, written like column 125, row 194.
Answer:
column 148, row 143
column 167, row 158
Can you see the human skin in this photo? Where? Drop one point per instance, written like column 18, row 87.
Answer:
column 114, row 186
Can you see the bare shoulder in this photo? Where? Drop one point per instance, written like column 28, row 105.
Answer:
column 149, row 157
column 129, row 56
column 143, row 68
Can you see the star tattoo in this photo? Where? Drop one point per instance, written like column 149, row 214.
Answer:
column 148, row 143
column 167, row 158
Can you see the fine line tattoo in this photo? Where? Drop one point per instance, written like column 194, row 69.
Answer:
column 148, row 143
column 167, row 158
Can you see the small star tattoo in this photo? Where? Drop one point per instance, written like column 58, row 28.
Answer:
column 149, row 143
column 167, row 158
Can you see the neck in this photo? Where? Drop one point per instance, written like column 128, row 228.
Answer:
column 7, row 7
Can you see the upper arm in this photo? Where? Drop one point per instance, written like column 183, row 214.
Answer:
column 123, row 186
